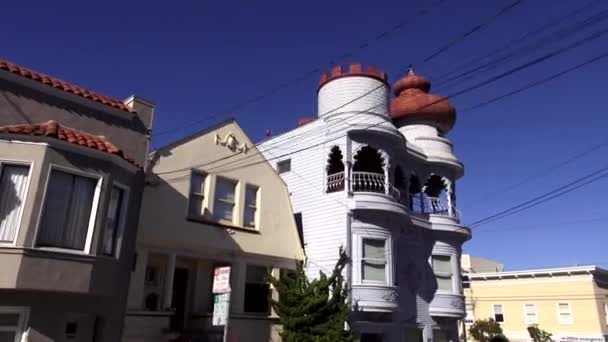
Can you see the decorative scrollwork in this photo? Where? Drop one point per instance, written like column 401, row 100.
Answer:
column 391, row 296
column 457, row 303
column 231, row 142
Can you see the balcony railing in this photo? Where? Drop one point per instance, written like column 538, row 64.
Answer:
column 422, row 203
column 372, row 182
column 335, row 182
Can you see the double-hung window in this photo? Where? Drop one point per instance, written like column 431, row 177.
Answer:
column 565, row 313
column 442, row 267
column 251, row 206
column 112, row 234
column 12, row 323
column 499, row 315
column 14, row 180
column 257, row 290
column 530, row 314
column 69, row 214
column 373, row 260
column 196, row 207
column 223, row 206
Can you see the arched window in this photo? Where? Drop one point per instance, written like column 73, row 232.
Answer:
column 415, row 197
column 368, row 171
column 435, row 189
column 335, row 170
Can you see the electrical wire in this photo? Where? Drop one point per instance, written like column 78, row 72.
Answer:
column 458, row 93
column 315, row 71
column 555, row 193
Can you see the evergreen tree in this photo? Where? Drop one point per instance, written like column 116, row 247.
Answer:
column 313, row 311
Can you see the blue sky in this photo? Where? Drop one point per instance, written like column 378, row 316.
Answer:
column 195, row 59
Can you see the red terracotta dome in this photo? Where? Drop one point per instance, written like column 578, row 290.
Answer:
column 414, row 104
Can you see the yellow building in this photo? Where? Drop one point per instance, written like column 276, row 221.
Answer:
column 571, row 302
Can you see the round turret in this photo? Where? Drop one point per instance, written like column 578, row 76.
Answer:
column 414, row 104
column 352, row 91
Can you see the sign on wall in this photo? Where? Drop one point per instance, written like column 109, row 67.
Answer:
column 221, row 280
column 221, row 305
column 221, row 298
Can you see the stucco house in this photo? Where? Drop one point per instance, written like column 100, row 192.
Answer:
column 569, row 302
column 378, row 176
column 71, row 177
column 202, row 210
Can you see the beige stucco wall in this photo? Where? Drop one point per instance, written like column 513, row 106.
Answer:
column 165, row 206
column 545, row 293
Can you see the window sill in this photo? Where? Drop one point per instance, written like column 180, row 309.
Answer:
column 204, row 220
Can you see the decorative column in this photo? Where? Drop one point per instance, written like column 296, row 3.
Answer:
column 169, row 274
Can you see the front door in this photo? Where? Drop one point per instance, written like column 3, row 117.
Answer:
column 180, row 291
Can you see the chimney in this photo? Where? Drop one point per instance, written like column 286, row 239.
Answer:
column 143, row 108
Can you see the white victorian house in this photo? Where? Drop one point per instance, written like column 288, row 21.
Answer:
column 377, row 176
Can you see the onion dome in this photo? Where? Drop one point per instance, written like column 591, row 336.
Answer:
column 414, row 104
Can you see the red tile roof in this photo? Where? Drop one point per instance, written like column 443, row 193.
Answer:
column 52, row 129
column 62, row 85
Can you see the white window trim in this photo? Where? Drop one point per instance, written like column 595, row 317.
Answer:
column 23, row 313
column 504, row 316
column 123, row 212
column 606, row 312
column 559, row 316
column 535, row 321
column 94, row 208
column 256, row 219
column 387, row 256
column 234, row 201
column 31, row 164
column 452, row 260
column 205, row 195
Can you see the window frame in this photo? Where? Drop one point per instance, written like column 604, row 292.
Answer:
column 256, row 206
column 559, row 314
column 451, row 263
column 526, row 321
column 21, row 327
column 234, row 201
column 94, row 208
column 387, row 262
column 122, row 219
column 502, row 309
column 267, row 283
column 30, row 164
column 203, row 196
column 283, row 162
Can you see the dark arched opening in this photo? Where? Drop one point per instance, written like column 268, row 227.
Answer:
column 335, row 170
column 368, row 171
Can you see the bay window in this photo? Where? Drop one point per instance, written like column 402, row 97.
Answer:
column 442, row 267
column 13, row 187
column 251, row 206
column 373, row 260
column 112, row 233
column 223, row 206
column 69, row 215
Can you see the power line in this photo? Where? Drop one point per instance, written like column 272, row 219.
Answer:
column 527, row 49
column 521, row 38
column 552, row 225
column 315, row 71
column 294, row 137
column 468, row 89
column 558, row 192
column 476, row 28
